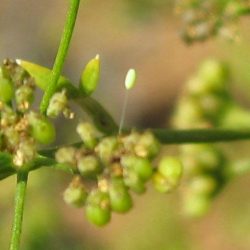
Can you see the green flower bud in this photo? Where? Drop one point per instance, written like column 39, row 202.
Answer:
column 58, row 103
column 171, row 168
column 88, row 134
column 75, row 194
column 141, row 166
column 28, row 149
column 134, row 182
column 213, row 74
column 235, row 117
column 66, row 155
column 161, row 183
column 90, row 76
column 24, row 97
column 98, row 208
column 189, row 114
column 200, row 158
column 41, row 128
column 129, row 141
column 120, row 199
column 89, row 165
column 8, row 116
column 213, row 105
column 147, row 145
column 202, row 185
column 6, row 89
column 12, row 137
column 196, row 205
column 106, row 148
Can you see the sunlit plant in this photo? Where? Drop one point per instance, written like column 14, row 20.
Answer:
column 110, row 162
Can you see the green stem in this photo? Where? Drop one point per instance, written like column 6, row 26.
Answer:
column 61, row 54
column 22, row 178
column 173, row 136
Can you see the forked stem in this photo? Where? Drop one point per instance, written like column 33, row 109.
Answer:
column 61, row 54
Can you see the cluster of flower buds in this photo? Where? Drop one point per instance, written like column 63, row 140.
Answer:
column 200, row 24
column 202, row 105
column 20, row 128
column 107, row 169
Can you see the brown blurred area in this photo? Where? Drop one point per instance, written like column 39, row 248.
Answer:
column 148, row 42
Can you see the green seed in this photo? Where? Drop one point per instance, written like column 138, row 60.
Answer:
column 89, row 165
column 41, row 128
column 98, row 208
column 196, row 205
column 161, row 184
column 147, row 145
column 120, row 199
column 88, row 134
column 213, row 75
column 141, row 166
column 171, row 168
column 189, row 114
column 6, row 90
column 75, row 194
column 202, row 185
column 66, row 155
column 134, row 182
column 106, row 148
column 90, row 76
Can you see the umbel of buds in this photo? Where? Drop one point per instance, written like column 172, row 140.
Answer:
column 108, row 169
column 22, row 130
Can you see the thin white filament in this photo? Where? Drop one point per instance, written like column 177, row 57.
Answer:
column 124, row 108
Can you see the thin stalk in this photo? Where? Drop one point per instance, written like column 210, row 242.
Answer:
column 124, row 108
column 22, row 178
column 175, row 136
column 61, row 54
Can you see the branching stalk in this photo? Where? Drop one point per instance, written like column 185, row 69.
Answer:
column 61, row 54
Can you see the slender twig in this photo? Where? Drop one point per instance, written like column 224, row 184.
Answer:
column 22, row 178
column 61, row 54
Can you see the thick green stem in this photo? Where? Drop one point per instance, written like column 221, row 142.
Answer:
column 61, row 54
column 22, row 178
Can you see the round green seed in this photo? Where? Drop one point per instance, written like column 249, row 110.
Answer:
column 171, row 168
column 161, row 184
column 98, row 208
column 75, row 195
column 89, row 165
column 141, row 166
column 120, row 199
column 42, row 129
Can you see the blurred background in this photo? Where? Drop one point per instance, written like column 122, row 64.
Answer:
column 142, row 34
